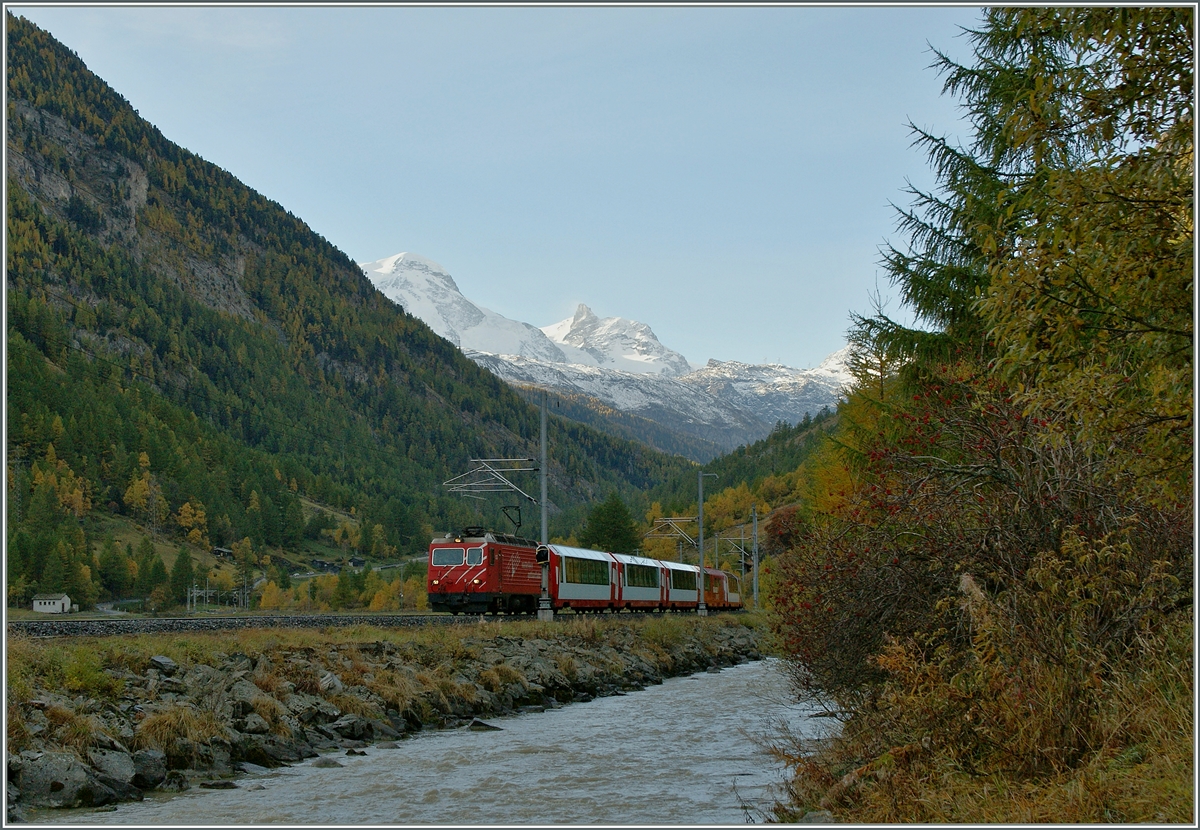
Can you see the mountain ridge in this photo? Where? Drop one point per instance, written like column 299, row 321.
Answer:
column 618, row 362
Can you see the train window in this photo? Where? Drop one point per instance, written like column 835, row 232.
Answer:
column 447, row 557
column 683, row 580
column 641, row 576
column 585, row 571
column 474, row 556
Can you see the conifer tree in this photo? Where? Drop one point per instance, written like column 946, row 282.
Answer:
column 182, row 574
column 610, row 527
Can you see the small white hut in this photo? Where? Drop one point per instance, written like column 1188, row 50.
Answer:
column 52, row 603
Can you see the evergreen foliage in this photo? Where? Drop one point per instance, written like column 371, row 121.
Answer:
column 610, row 527
column 1000, row 537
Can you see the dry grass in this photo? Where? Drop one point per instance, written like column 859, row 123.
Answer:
column 15, row 730
column 73, row 730
column 396, row 688
column 303, row 677
column 273, row 712
column 567, row 665
column 500, row 676
column 269, row 682
column 930, row 753
column 161, row 729
column 356, row 706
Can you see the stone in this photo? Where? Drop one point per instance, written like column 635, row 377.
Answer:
column 218, row 785
column 318, row 740
column 383, row 729
column 354, row 727
column 330, row 683
column 255, row 725
column 171, row 685
column 203, row 681
column 116, row 765
column 238, row 662
column 176, row 782
column 149, row 768
column 272, row 751
column 325, row 762
column 311, row 709
column 480, row 726
column 59, row 779
column 164, row 664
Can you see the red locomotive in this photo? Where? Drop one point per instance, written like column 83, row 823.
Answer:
column 481, row 572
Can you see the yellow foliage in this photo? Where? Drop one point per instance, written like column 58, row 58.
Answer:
column 731, row 507
column 70, row 489
column 192, row 519
column 274, row 598
column 221, row 579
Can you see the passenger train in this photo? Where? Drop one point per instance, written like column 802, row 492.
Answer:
column 483, row 572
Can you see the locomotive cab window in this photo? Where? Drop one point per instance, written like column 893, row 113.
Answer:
column 474, row 556
column 448, row 557
column 641, row 576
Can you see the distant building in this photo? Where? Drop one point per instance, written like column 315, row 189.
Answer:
column 223, row 553
column 357, row 562
column 51, row 603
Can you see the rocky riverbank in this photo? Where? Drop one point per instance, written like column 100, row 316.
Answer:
column 99, row 721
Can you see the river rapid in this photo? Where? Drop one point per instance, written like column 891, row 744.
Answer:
column 687, row 752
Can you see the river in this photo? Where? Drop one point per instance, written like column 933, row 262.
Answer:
column 683, row 752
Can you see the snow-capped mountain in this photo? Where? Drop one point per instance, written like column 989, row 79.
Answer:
column 424, row 289
column 775, row 392
column 665, row 400
column 618, row 362
column 615, row 343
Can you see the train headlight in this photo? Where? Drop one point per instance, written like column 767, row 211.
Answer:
column 475, row 581
column 435, row 582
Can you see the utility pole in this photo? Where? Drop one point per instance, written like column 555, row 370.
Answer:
column 543, row 475
column 542, row 555
column 754, row 513
column 701, row 608
column 742, row 552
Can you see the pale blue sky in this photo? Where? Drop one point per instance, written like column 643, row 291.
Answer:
column 720, row 174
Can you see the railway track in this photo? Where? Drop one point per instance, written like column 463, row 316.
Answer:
column 116, row 626
column 158, row 625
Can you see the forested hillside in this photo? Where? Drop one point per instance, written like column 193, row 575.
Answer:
column 185, row 353
column 769, row 478
column 991, row 578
